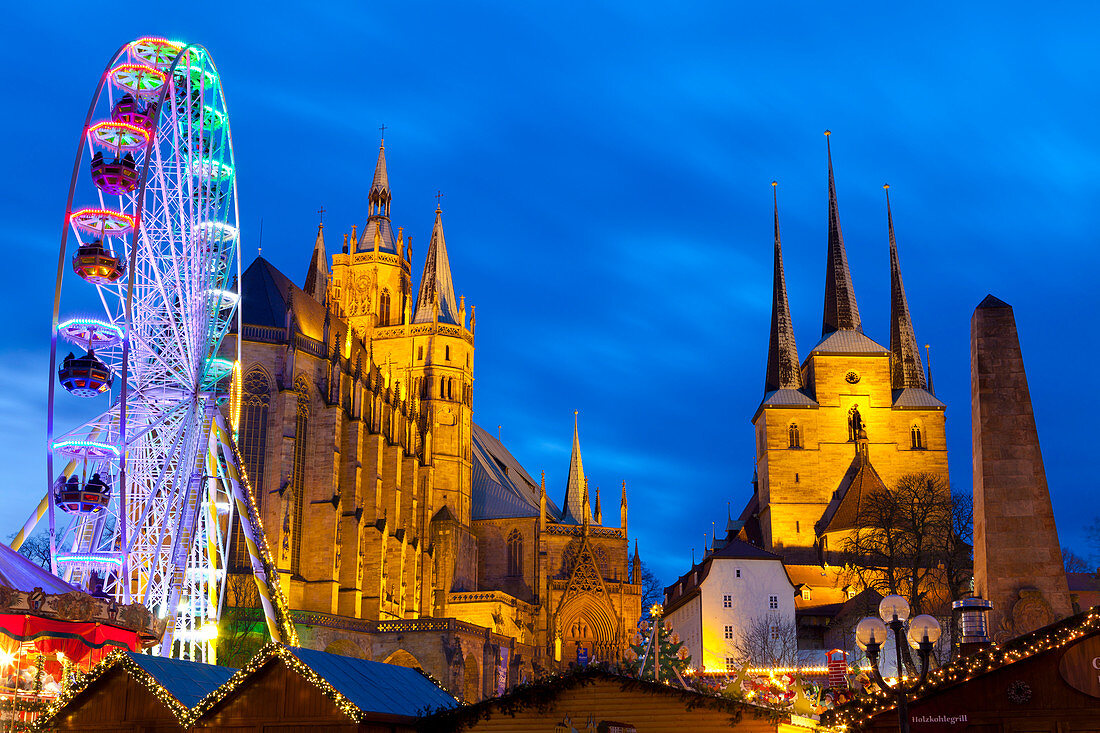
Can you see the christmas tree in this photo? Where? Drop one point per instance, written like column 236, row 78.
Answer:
column 656, row 652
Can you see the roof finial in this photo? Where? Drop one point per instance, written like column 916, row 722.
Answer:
column 928, row 354
column 382, row 137
column 321, row 213
column 438, row 196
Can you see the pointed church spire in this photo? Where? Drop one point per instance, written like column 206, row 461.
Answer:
column 378, row 229
column 636, row 570
column 576, row 487
column 597, row 513
column 841, row 312
column 436, row 287
column 622, row 510
column 906, row 369
column 317, row 277
column 783, row 366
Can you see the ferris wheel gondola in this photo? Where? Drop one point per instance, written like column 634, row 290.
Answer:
column 156, row 254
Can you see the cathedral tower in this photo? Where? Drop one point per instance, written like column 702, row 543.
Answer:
column 853, row 406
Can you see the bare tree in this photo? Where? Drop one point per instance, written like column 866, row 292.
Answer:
column 36, row 548
column 1073, row 562
column 766, row 641
column 913, row 541
column 241, row 631
column 653, row 591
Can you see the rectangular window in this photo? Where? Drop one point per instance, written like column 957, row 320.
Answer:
column 773, row 602
column 737, row 573
column 420, row 353
column 729, row 632
column 731, row 664
column 727, row 601
column 447, row 353
column 775, row 633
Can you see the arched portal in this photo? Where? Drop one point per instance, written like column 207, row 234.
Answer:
column 472, row 686
column 588, row 631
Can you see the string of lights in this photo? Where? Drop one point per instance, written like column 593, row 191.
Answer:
column 875, row 700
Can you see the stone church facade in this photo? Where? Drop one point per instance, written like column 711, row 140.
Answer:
column 402, row 530
column 830, row 431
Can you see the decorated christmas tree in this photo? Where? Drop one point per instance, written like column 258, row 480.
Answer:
column 656, row 652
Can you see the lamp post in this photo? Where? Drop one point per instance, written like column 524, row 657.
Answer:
column 924, row 631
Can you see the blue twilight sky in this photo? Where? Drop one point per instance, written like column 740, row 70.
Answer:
column 606, row 171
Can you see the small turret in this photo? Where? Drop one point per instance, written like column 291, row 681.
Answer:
column 317, row 278
column 597, row 514
column 436, row 298
column 542, row 500
column 622, row 510
column 636, row 569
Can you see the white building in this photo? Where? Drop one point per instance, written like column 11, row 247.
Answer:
column 737, row 593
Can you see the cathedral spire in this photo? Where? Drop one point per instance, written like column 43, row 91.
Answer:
column 436, row 288
column 906, row 369
column 841, row 312
column 783, row 366
column 378, row 226
column 318, row 276
column 576, row 488
column 597, row 513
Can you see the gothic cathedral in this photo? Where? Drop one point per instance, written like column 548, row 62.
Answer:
column 402, row 530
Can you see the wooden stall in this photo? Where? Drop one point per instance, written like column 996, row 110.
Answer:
column 595, row 701
column 1044, row 682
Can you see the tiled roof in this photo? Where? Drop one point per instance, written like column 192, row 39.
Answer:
column 848, row 342
column 788, row 398
column 376, row 687
column 188, row 682
column 501, row 487
column 860, row 482
column 264, row 294
column 387, row 242
column 914, row 397
column 19, row 573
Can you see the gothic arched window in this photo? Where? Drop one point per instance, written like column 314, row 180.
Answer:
column 298, row 472
column 384, row 308
column 255, row 401
column 794, row 436
column 515, row 553
column 916, row 437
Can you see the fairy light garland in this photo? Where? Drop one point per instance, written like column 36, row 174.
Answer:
column 876, row 701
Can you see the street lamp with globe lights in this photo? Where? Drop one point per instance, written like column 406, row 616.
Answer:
column 924, row 632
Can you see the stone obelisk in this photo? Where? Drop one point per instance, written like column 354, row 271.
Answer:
column 1017, row 558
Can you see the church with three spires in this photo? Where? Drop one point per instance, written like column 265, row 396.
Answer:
column 402, row 530
column 831, row 430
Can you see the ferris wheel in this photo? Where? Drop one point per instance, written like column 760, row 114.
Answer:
column 146, row 486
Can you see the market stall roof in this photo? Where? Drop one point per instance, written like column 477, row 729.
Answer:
column 186, row 681
column 19, row 573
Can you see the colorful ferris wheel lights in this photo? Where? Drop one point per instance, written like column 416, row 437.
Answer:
column 90, row 332
column 216, row 232
column 212, row 169
column 118, row 135
column 104, row 222
column 89, row 558
column 138, row 79
column 157, row 52
column 90, row 449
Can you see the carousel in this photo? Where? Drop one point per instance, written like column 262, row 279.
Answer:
column 52, row 632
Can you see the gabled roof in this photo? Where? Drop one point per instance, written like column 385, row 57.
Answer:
column 19, row 573
column 788, row 398
column 848, row 342
column 374, row 687
column 187, row 682
column 501, row 487
column 860, row 482
column 918, row 398
column 264, row 295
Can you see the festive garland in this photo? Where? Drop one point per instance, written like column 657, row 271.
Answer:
column 1056, row 636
